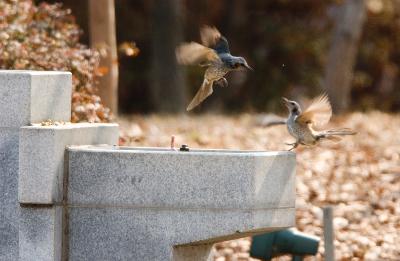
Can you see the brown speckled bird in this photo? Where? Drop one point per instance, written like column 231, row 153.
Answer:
column 214, row 54
column 301, row 124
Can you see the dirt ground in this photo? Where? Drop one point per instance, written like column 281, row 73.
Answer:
column 359, row 176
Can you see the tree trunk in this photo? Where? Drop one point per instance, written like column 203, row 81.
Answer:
column 349, row 22
column 167, row 83
column 102, row 34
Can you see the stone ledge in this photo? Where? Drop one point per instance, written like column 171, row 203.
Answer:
column 164, row 178
column 41, row 155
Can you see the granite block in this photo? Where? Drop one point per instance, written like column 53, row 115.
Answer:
column 113, row 233
column 34, row 96
column 153, row 178
column 40, row 233
column 41, row 154
column 9, row 207
column 158, row 204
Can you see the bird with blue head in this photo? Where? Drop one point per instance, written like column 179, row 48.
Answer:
column 214, row 54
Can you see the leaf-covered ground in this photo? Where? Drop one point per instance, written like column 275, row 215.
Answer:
column 360, row 176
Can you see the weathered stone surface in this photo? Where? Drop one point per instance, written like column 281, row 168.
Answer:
column 9, row 207
column 123, row 204
column 33, row 96
column 34, row 232
column 40, row 232
column 137, row 177
column 41, row 155
column 137, row 204
column 113, row 233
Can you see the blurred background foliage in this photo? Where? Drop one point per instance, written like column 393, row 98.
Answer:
column 287, row 42
column 376, row 82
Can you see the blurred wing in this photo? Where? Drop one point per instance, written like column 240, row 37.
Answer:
column 205, row 90
column 212, row 38
column 209, row 35
column 195, row 53
column 318, row 113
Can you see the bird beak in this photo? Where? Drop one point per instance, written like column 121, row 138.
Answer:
column 285, row 101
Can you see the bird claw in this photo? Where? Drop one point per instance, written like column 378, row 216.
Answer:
column 292, row 144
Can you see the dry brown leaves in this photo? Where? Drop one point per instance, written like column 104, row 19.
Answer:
column 360, row 176
column 46, row 37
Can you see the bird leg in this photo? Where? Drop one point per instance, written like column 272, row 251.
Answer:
column 223, row 82
column 295, row 144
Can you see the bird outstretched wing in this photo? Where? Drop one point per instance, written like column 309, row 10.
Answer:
column 195, row 54
column 205, row 90
column 211, row 37
column 318, row 113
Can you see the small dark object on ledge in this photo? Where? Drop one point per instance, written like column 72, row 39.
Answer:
column 184, row 147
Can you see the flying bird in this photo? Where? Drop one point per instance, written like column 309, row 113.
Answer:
column 302, row 124
column 214, row 54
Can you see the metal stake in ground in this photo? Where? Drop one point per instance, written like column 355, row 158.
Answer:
column 329, row 235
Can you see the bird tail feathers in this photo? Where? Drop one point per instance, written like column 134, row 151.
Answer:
column 205, row 90
column 334, row 134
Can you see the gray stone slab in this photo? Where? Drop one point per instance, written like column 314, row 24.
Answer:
column 41, row 154
column 40, row 233
column 150, row 234
column 165, row 178
column 9, row 207
column 33, row 96
column 152, row 204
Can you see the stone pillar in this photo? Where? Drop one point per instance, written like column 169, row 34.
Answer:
column 32, row 161
column 25, row 97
